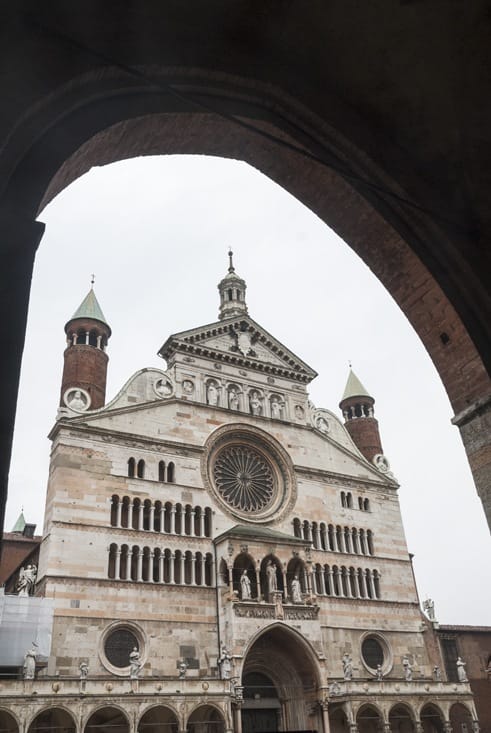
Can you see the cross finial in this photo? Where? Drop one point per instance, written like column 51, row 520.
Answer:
column 230, row 260
column 92, row 279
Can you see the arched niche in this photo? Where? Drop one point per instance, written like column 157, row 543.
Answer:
column 158, row 719
column 369, row 719
column 401, row 719
column 8, row 723
column 432, row 719
column 107, row 719
column 205, row 719
column 460, row 718
column 53, row 719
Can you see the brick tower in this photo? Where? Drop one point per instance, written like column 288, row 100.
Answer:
column 357, row 406
column 83, row 384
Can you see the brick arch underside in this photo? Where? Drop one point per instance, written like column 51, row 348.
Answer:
column 100, row 120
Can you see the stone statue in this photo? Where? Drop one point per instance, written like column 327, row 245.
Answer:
column 29, row 668
column 296, row 590
column 271, row 577
column 379, row 675
column 212, row 394
column 429, row 608
column 182, row 667
column 255, row 402
column 347, row 667
column 135, row 663
column 77, row 402
column 84, row 670
column 322, row 425
column 245, row 587
column 163, row 388
column 408, row 670
column 437, row 673
column 233, row 399
column 26, row 580
column 276, row 408
column 225, row 663
column 461, row 674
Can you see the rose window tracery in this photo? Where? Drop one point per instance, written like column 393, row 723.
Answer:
column 244, row 478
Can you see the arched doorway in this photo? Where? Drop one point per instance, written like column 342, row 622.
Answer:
column 432, row 719
column 401, row 720
column 107, row 720
column 55, row 719
column 338, row 721
column 460, row 718
column 280, row 680
column 205, row 719
column 158, row 719
column 369, row 719
column 8, row 724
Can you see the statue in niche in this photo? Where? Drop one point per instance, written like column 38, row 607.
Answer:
column 225, row 663
column 408, row 670
column 276, row 407
column 255, row 402
column 212, row 394
column 379, row 675
column 429, row 608
column 84, row 670
column 182, row 668
column 296, row 590
column 461, row 673
column 245, row 587
column 244, row 343
column 163, row 388
column 29, row 667
column 187, row 386
column 233, row 398
column 437, row 673
column 299, row 412
column 271, row 578
column 135, row 663
column 26, row 580
column 347, row 667
column 77, row 401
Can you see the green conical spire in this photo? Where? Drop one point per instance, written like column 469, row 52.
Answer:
column 354, row 388
column 20, row 523
column 90, row 308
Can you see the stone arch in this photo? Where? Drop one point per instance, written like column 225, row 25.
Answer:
column 8, row 722
column 432, row 719
column 206, row 719
column 460, row 717
column 244, row 561
column 285, row 658
column 53, row 718
column 107, row 719
column 263, row 575
column 338, row 721
column 158, row 719
column 401, row 719
column 369, row 718
column 296, row 568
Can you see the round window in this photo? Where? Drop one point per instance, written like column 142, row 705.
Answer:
column 244, row 478
column 118, row 646
column 372, row 652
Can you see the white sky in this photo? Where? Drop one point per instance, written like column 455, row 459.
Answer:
column 156, row 233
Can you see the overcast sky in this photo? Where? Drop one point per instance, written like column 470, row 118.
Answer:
column 155, row 231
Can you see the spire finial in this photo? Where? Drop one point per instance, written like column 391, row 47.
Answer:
column 231, row 267
column 92, row 280
column 349, row 363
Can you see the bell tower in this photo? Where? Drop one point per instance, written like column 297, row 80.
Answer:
column 83, row 385
column 359, row 419
column 232, row 293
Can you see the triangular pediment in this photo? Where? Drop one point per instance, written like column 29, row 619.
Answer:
column 240, row 341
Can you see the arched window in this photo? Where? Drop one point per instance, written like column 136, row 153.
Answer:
column 140, row 469
column 134, row 563
column 111, row 570
column 131, row 467
column 125, row 512
column 335, row 580
column 114, row 510
column 188, row 519
column 158, row 517
column 207, row 522
column 178, row 528
column 147, row 507
column 349, row 500
column 323, row 537
column 370, row 541
column 208, row 568
column 328, row 580
column 156, row 566
column 229, row 294
column 124, row 567
column 297, row 530
column 177, row 567
column 93, row 338
column 161, row 470
column 146, row 560
column 188, row 567
column 360, row 503
column 81, row 337
column 366, row 505
column 343, row 499
column 135, row 519
column 171, row 473
column 330, row 536
column 315, row 535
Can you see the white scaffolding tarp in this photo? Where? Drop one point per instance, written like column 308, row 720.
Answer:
column 24, row 620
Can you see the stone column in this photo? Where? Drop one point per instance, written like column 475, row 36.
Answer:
column 330, row 584
column 258, row 583
column 150, row 569
column 238, row 718
column 161, row 567
column 324, row 706
column 118, row 513
column 347, row 540
column 322, row 582
column 127, row 570
column 117, row 563
column 363, row 591
column 131, row 508
column 182, row 559
column 152, row 518
column 201, row 523
column 192, row 515
column 172, row 574
column 140, row 516
column 139, row 567
column 356, row 541
column 285, row 587
column 172, row 528
column 230, row 579
column 193, row 569
column 370, row 588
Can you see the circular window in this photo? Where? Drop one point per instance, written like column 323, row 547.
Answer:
column 249, row 473
column 118, row 647
column 375, row 651
column 244, row 478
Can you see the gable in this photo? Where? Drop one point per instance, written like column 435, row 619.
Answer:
column 241, row 341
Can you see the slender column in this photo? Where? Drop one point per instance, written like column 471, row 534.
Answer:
column 140, row 516
column 340, row 537
column 162, row 519
column 182, row 513
column 370, row 590
column 285, row 588
column 117, row 563
column 348, row 587
column 201, row 523
column 99, row 341
column 118, row 513
column 363, row 543
column 86, row 338
column 139, row 567
column 340, row 582
column 172, row 520
column 193, row 569
column 330, row 584
column 347, row 540
column 258, row 583
column 74, row 339
column 152, row 518
column 356, row 541
column 317, row 537
column 127, row 573
column 363, row 592
column 192, row 515
column 309, row 531
column 150, row 569
column 182, row 568
column 322, row 582
column 131, row 508
column 237, row 719
column 161, row 567
column 324, row 705
column 172, row 574
column 230, row 579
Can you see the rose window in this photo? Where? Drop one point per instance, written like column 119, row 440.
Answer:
column 244, row 478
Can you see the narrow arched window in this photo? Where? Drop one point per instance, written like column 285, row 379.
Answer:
column 349, row 500
column 343, row 499
column 161, row 470
column 229, row 293
column 297, row 530
column 171, row 473
column 111, row 570
column 360, row 503
column 93, row 338
column 140, row 469
column 115, row 511
column 370, row 542
column 366, row 505
column 131, row 467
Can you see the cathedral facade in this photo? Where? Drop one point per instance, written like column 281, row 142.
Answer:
column 220, row 555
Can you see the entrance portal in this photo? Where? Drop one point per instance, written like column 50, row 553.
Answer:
column 261, row 710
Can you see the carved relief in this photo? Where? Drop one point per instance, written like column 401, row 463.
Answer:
column 163, row 387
